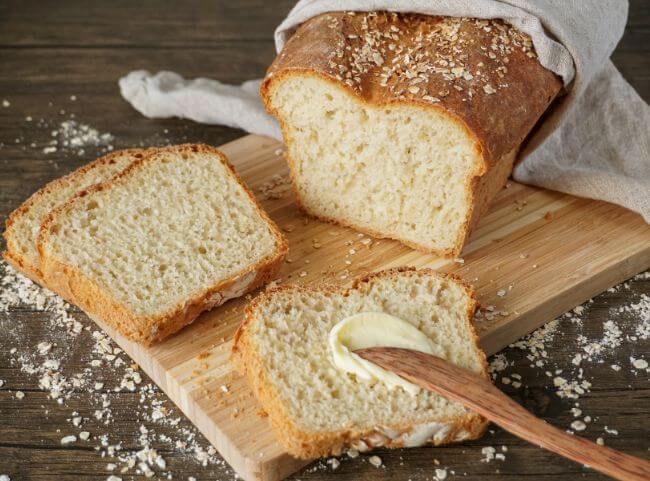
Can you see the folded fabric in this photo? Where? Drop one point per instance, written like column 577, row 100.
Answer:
column 595, row 143
column 167, row 94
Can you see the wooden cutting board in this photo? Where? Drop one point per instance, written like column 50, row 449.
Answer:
column 535, row 255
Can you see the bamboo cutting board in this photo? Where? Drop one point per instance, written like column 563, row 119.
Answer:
column 535, row 255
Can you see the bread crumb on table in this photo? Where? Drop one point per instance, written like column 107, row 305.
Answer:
column 334, row 463
column 578, row 425
column 68, row 440
column 353, row 453
column 46, row 364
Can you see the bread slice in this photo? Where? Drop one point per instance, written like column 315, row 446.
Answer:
column 174, row 234
column 318, row 410
column 405, row 126
column 23, row 224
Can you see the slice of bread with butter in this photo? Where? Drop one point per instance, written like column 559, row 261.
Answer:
column 296, row 349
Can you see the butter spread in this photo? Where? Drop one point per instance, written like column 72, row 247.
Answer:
column 375, row 329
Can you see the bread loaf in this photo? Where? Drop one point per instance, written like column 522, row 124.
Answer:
column 405, row 126
column 317, row 409
column 174, row 234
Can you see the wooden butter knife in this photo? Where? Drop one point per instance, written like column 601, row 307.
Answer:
column 481, row 396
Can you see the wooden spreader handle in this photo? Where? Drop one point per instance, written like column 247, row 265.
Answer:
column 481, row 396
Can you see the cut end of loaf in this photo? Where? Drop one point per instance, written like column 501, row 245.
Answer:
column 176, row 233
column 318, row 410
column 402, row 125
column 401, row 171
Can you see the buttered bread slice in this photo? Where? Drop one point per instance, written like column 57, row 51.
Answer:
column 321, row 404
column 174, row 234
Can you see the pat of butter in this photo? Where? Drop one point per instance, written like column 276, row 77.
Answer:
column 375, row 329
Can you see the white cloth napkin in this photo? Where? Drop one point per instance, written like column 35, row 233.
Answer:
column 595, row 143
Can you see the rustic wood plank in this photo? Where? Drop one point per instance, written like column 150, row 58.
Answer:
column 194, row 23
column 74, row 71
column 639, row 15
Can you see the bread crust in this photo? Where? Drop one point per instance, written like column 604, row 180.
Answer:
column 12, row 254
column 73, row 285
column 309, row 445
column 498, row 122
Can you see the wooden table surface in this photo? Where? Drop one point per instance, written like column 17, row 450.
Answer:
column 61, row 61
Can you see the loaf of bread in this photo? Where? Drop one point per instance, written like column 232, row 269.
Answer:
column 318, row 410
column 174, row 234
column 405, row 126
column 24, row 223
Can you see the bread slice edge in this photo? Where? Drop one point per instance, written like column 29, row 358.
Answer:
column 11, row 254
column 74, row 286
column 308, row 445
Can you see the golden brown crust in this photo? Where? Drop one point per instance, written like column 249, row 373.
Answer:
column 18, row 262
column 71, row 284
column 308, row 445
column 482, row 190
column 483, row 75
column 502, row 56
column 12, row 254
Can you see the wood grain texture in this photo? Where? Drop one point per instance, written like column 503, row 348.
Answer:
column 481, row 396
column 535, row 255
column 49, row 53
column 151, row 23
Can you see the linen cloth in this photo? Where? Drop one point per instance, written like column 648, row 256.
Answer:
column 595, row 142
